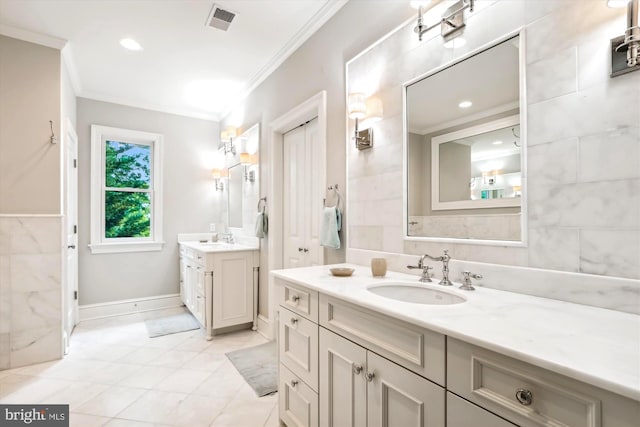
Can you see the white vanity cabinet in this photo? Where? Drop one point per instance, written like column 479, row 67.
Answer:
column 218, row 287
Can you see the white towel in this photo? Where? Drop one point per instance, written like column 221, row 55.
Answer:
column 262, row 225
column 331, row 224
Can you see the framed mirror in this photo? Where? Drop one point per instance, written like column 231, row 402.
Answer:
column 464, row 146
column 235, row 194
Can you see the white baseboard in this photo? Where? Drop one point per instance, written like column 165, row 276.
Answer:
column 264, row 327
column 129, row 306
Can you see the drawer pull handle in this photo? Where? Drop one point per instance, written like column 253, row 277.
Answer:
column 525, row 397
column 294, row 383
column 357, row 369
column 295, row 298
column 294, row 320
column 370, row 376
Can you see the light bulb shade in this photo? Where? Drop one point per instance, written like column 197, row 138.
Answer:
column 245, row 159
column 231, row 131
column 416, row 4
column 357, row 106
column 216, row 174
column 617, row 3
column 374, row 109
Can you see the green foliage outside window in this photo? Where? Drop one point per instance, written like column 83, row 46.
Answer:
column 127, row 196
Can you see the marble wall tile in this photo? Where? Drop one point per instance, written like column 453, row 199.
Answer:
column 36, row 235
column 366, row 237
column 32, row 310
column 5, row 351
column 552, row 76
column 587, row 112
column 553, row 163
column 375, row 161
column 35, row 272
column 392, row 239
column 594, row 63
column 376, row 187
column 555, row 248
column 388, row 131
column 610, row 252
column 376, row 212
column 610, row 155
column 36, row 345
column 5, row 235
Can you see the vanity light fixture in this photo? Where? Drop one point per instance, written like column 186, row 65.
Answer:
column 452, row 20
column 626, row 48
column 369, row 110
column 227, row 138
column 245, row 161
column 216, row 174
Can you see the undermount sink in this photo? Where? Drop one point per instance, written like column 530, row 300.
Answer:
column 408, row 292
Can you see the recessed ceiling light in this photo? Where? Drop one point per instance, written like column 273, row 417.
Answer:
column 497, row 142
column 130, row 44
column 455, row 43
column 465, row 104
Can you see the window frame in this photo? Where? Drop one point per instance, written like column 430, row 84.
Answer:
column 99, row 243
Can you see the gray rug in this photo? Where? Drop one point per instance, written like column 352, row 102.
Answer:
column 171, row 324
column 259, row 367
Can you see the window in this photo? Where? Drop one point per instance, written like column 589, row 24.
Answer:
column 126, row 190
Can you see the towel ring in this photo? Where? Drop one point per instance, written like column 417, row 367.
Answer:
column 263, row 201
column 338, row 195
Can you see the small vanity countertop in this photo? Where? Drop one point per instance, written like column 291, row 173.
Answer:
column 594, row 345
column 212, row 247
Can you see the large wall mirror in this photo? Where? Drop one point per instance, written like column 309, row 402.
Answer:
column 464, row 146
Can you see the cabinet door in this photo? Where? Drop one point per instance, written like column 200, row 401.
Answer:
column 189, row 285
column 183, row 275
column 343, row 400
column 298, row 403
column 298, row 346
column 232, row 289
column 399, row 398
column 461, row 413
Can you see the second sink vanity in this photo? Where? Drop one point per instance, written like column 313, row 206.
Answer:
column 354, row 352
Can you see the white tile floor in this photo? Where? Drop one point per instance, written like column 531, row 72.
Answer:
column 116, row 376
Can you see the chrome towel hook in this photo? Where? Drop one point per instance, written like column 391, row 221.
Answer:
column 52, row 138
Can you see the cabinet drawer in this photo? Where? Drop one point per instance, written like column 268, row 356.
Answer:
column 298, row 299
column 419, row 350
column 531, row 396
column 298, row 404
column 461, row 413
column 298, row 345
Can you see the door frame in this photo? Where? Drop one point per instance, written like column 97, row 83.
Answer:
column 316, row 106
column 69, row 136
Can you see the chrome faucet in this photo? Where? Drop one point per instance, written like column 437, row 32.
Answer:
column 425, row 269
column 228, row 237
column 445, row 267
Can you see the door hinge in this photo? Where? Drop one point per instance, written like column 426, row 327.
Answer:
column 75, row 295
column 75, row 163
column 75, row 229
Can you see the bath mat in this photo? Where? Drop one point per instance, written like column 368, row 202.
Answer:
column 171, row 324
column 258, row 366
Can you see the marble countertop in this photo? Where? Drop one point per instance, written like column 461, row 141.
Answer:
column 594, row 345
column 211, row 247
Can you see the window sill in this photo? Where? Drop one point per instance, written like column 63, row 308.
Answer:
column 111, row 248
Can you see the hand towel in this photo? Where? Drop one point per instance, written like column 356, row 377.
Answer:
column 262, row 225
column 329, row 230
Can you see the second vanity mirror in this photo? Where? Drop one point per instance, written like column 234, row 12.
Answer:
column 464, row 147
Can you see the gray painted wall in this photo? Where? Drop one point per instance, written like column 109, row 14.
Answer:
column 189, row 197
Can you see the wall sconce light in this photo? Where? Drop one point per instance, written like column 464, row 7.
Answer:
column 370, row 111
column 625, row 49
column 227, row 137
column 216, row 174
column 245, row 161
column 452, row 20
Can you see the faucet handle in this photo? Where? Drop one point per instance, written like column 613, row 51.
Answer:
column 466, row 281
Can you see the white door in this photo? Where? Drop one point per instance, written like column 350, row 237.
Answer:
column 343, row 397
column 302, row 202
column 71, row 233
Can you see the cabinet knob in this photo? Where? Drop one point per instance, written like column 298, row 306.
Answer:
column 370, row 376
column 300, row 249
column 306, row 250
column 295, row 298
column 294, row 320
column 357, row 369
column 525, row 397
column 294, row 383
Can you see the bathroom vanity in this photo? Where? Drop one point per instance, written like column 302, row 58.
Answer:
column 218, row 283
column 352, row 352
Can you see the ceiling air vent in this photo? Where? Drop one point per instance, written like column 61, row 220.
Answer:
column 220, row 18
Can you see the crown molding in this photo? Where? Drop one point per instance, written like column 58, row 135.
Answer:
column 32, row 37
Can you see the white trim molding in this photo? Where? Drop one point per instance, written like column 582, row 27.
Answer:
column 32, row 37
column 129, row 306
column 99, row 244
